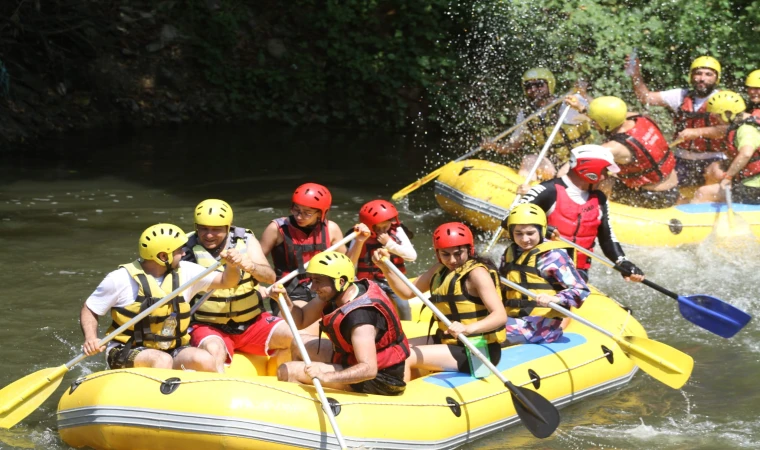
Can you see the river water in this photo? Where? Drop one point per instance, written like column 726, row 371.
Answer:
column 68, row 219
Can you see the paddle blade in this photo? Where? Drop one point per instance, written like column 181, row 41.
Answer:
column 713, row 314
column 22, row 397
column 537, row 413
column 417, row 184
column 662, row 362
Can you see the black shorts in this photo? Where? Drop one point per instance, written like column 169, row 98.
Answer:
column 389, row 381
column 459, row 352
column 692, row 172
column 116, row 361
column 642, row 198
column 745, row 194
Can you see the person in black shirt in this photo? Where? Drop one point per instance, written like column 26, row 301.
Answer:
column 368, row 349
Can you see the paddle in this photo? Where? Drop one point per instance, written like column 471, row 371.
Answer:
column 22, row 397
column 434, row 174
column 538, row 415
column 317, row 384
column 664, row 363
column 549, row 140
column 710, row 313
column 331, row 248
column 731, row 225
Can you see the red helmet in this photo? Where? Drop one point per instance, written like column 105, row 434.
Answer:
column 377, row 211
column 453, row 234
column 589, row 161
column 314, row 196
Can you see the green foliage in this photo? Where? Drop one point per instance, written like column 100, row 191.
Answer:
column 377, row 63
column 339, row 61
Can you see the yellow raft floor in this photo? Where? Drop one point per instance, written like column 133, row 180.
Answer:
column 481, row 192
column 247, row 408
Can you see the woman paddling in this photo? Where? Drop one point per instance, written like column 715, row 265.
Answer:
column 466, row 289
column 544, row 267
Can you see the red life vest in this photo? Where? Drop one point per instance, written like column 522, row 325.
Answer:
column 753, row 109
column 297, row 247
column 367, row 269
column 652, row 159
column 686, row 117
column 392, row 348
column 753, row 165
column 579, row 223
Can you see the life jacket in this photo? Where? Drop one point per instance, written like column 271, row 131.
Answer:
column 449, row 294
column 297, row 247
column 523, row 270
column 686, row 117
column 652, row 159
column 365, row 268
column 147, row 332
column 753, row 165
column 567, row 138
column 240, row 304
column 392, row 348
column 579, row 223
column 753, row 109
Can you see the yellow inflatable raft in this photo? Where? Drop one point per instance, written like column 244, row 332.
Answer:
column 481, row 192
column 246, row 408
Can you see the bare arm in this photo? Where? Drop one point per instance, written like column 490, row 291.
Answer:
column 741, row 160
column 88, row 321
column 399, row 287
column 356, row 249
column 641, row 90
column 716, row 132
column 256, row 264
column 303, row 316
column 335, row 235
column 270, row 238
column 363, row 341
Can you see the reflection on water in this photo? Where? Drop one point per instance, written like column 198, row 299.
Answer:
column 68, row 220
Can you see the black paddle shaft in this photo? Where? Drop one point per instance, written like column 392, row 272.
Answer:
column 651, row 284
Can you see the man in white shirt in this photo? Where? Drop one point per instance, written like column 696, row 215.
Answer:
column 160, row 340
column 702, row 136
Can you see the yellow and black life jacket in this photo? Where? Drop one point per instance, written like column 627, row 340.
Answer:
column 147, row 332
column 449, row 294
column 523, row 271
column 567, row 138
column 240, row 304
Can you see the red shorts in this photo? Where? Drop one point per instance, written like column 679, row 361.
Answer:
column 254, row 340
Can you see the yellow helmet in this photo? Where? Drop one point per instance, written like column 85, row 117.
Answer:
column 609, row 112
column 707, row 62
column 159, row 238
column 753, row 79
column 539, row 73
column 334, row 265
column 526, row 214
column 724, row 102
column 213, row 213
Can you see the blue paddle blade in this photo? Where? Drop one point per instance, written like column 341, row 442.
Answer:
column 713, row 314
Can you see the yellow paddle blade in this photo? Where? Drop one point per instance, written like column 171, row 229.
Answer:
column 20, row 398
column 662, row 362
column 731, row 225
column 417, row 184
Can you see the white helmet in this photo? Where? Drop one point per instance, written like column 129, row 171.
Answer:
column 588, row 162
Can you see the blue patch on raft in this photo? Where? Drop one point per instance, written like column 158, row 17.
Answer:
column 517, row 355
column 698, row 208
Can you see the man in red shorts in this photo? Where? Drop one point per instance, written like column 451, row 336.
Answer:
column 233, row 319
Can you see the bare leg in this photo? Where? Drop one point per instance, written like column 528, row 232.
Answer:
column 215, row 346
column 709, row 193
column 153, row 358
column 195, row 359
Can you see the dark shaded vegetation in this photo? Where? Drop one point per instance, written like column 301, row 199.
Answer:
column 75, row 64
